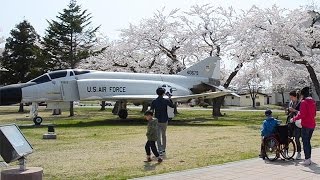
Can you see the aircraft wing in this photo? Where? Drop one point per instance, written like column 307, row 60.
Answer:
column 209, row 95
column 131, row 97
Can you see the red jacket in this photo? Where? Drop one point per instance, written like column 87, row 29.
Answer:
column 307, row 113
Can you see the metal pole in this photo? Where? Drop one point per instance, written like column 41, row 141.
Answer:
column 22, row 164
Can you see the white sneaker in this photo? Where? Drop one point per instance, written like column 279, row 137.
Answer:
column 306, row 162
column 298, row 157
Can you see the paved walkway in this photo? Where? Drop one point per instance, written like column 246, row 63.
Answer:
column 251, row 169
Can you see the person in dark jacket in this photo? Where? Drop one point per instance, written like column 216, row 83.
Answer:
column 151, row 136
column 269, row 126
column 307, row 115
column 159, row 106
column 294, row 107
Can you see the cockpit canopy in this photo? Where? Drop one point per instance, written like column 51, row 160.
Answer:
column 58, row 74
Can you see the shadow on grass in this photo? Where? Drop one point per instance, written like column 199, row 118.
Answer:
column 150, row 166
column 132, row 122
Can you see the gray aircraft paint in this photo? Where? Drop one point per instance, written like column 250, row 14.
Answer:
column 98, row 85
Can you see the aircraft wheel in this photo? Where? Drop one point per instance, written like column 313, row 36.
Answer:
column 123, row 114
column 37, row 120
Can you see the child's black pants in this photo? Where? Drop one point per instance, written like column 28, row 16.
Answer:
column 152, row 145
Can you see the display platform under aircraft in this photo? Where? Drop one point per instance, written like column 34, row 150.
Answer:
column 59, row 88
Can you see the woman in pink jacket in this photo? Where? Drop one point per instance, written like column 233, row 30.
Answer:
column 307, row 115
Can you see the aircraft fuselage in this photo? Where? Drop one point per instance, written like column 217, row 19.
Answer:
column 77, row 85
column 97, row 85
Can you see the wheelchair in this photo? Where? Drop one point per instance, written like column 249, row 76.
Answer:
column 279, row 144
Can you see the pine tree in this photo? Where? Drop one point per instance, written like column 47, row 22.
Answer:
column 22, row 55
column 70, row 38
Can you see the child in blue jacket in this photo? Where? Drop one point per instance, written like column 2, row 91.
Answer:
column 268, row 128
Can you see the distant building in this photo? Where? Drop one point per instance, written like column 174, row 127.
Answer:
column 245, row 100
column 277, row 98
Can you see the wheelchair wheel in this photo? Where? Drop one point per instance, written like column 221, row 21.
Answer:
column 271, row 146
column 288, row 151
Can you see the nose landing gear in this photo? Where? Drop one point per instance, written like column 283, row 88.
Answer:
column 37, row 120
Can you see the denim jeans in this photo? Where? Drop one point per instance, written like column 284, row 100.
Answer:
column 162, row 137
column 306, row 137
column 297, row 134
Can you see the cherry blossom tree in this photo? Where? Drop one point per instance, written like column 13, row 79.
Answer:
column 251, row 79
column 160, row 37
column 288, row 35
column 152, row 45
column 292, row 76
column 121, row 57
column 165, row 43
column 210, row 29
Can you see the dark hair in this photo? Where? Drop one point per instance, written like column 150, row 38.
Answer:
column 268, row 112
column 305, row 92
column 148, row 112
column 298, row 94
column 160, row 91
column 293, row 93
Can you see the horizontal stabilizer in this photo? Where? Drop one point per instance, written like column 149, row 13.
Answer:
column 221, row 88
column 209, row 95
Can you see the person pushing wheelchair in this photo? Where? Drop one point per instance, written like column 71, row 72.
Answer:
column 307, row 116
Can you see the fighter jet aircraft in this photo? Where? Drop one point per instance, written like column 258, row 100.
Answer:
column 58, row 88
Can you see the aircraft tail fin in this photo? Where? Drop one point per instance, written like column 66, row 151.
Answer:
column 209, row 67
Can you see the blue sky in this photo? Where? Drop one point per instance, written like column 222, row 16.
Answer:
column 112, row 15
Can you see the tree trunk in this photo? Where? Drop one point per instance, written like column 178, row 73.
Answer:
column 311, row 71
column 103, row 106
column 21, row 109
column 314, row 79
column 217, row 103
column 282, row 94
column 253, row 102
column 175, row 110
column 71, row 109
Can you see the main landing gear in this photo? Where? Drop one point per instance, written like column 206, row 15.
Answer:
column 120, row 109
column 123, row 113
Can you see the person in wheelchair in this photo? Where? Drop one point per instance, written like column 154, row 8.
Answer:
column 269, row 127
column 293, row 109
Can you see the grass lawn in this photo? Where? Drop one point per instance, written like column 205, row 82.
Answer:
column 96, row 145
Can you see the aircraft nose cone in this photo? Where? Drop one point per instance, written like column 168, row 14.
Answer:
column 11, row 94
